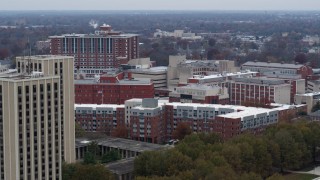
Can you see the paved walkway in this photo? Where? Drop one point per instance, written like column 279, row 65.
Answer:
column 315, row 171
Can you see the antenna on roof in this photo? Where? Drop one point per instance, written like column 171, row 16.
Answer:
column 29, row 59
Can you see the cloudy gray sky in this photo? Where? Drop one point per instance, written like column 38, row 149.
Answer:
column 160, row 5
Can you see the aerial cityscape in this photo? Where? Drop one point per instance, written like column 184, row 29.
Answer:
column 160, row 90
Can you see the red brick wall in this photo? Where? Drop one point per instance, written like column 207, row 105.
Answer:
column 227, row 127
column 110, row 93
column 156, row 123
column 104, row 122
column 305, row 71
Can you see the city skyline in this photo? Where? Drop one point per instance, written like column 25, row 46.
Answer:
column 160, row 5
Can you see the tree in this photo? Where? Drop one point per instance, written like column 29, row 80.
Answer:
column 311, row 135
column 79, row 131
column 232, row 154
column 4, row 53
column 92, row 155
column 212, row 42
column 151, row 163
column 210, row 138
column 301, row 58
column 191, row 146
column 177, row 162
column 120, row 131
column 110, row 156
column 181, row 131
column 290, row 154
column 93, row 148
column 89, row 158
column 68, row 170
column 213, row 54
column 80, row 171
column 223, row 173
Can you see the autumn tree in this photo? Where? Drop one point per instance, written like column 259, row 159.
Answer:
column 181, row 131
column 4, row 53
column 121, row 131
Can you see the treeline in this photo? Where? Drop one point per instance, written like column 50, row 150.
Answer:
column 206, row 156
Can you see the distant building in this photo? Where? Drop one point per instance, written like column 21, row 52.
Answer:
column 5, row 66
column 311, row 40
column 310, row 99
column 279, row 70
column 222, row 79
column 102, row 50
column 259, row 90
column 158, row 75
column 176, row 34
column 313, row 86
column 197, row 93
column 180, row 69
column 41, row 45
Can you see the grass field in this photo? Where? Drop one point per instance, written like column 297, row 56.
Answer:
column 296, row 176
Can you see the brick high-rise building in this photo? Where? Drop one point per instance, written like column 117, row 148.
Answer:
column 104, row 49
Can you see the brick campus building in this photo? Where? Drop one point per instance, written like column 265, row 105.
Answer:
column 112, row 88
column 150, row 120
column 103, row 49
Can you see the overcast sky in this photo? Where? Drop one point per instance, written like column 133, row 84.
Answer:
column 160, row 5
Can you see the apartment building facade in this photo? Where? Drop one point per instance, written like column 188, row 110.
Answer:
column 31, row 145
column 62, row 66
column 104, row 49
column 100, row 118
column 152, row 120
column 260, row 91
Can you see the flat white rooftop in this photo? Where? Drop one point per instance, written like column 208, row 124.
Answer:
column 224, row 75
column 95, row 106
column 44, row 57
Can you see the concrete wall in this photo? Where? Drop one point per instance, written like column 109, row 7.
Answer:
column 282, row 94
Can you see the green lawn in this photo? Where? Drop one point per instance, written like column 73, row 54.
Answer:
column 296, row 176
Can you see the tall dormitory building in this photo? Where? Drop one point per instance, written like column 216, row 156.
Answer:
column 104, row 49
column 37, row 118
